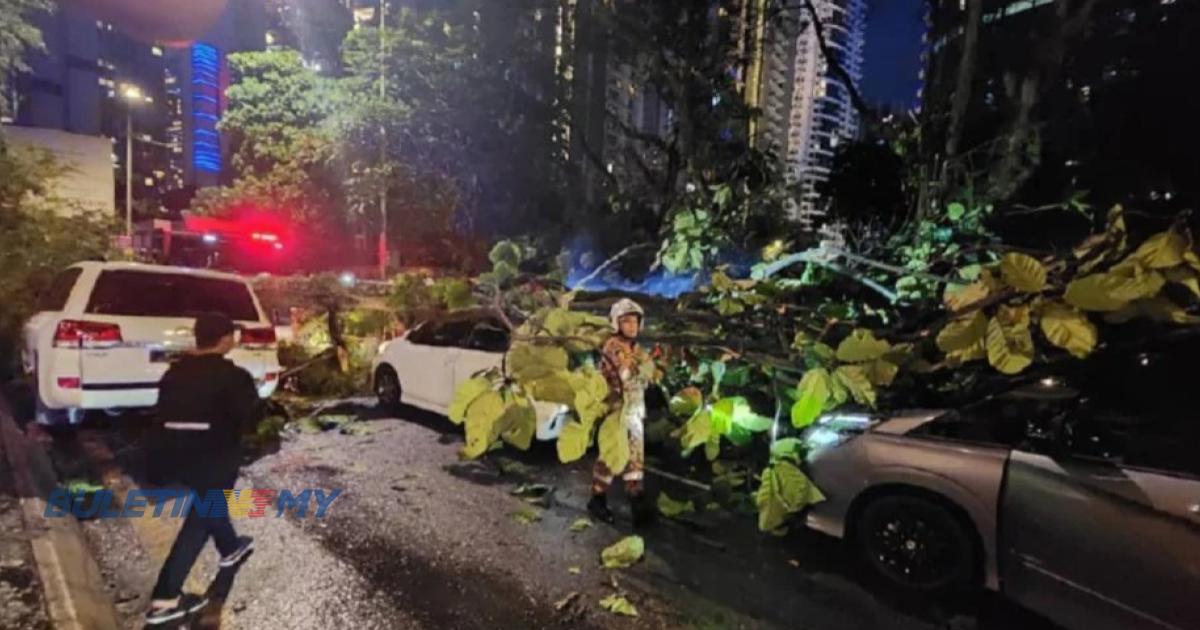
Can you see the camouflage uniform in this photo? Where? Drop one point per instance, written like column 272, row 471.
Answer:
column 627, row 368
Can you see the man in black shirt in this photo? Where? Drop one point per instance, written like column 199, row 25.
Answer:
column 204, row 402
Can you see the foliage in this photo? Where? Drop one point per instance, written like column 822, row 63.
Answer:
column 623, row 553
column 416, row 296
column 619, row 605
column 40, row 235
column 17, row 36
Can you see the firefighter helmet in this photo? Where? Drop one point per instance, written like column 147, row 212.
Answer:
column 623, row 307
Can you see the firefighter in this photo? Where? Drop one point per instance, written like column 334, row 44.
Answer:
column 204, row 403
column 628, row 370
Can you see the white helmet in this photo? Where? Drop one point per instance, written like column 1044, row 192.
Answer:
column 623, row 307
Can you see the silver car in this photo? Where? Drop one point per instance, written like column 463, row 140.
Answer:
column 1076, row 494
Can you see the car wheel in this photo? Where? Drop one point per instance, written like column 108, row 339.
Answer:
column 916, row 543
column 387, row 388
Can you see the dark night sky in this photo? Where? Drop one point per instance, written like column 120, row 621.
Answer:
column 893, row 52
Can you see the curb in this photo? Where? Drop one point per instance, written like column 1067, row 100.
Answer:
column 75, row 595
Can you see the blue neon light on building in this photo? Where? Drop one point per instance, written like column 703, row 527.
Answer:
column 206, row 107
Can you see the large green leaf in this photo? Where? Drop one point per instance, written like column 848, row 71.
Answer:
column 590, row 392
column 1009, row 342
column 465, row 395
column 518, row 425
column 573, row 441
column 528, row 362
column 483, row 417
column 614, row 443
column 554, row 388
column 964, row 339
column 1068, row 329
column 785, row 490
column 624, row 553
column 861, row 346
column 1095, row 292
column 1165, row 249
column 812, row 393
column 1023, row 272
column 697, row 430
column 854, row 379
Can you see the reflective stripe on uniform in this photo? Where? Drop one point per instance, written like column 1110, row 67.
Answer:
column 187, row 426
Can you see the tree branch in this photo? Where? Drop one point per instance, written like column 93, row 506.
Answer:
column 834, row 64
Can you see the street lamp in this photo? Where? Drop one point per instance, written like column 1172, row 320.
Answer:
column 132, row 95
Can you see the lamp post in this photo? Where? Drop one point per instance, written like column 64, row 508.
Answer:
column 384, row 256
column 132, row 94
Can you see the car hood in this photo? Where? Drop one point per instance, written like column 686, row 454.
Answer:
column 902, row 422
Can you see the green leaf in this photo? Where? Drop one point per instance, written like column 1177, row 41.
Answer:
column 697, row 430
column 614, row 443
column 527, row 515
column 813, row 392
column 861, row 346
column 465, row 395
column 881, row 372
column 624, row 553
column 580, row 524
column 519, row 425
column 528, row 362
column 618, row 605
column 729, row 306
column 1023, row 272
column 1165, row 249
column 854, row 379
column 573, row 441
column 956, row 211
column 965, row 338
column 1095, row 292
column 671, row 508
column 686, row 402
column 785, row 490
column 1068, row 329
column 1184, row 276
column 482, row 418
column 1009, row 342
column 555, row 388
column 788, row 447
column 735, row 411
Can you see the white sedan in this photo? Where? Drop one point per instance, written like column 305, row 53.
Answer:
column 424, row 367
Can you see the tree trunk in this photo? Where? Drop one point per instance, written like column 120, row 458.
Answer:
column 964, row 82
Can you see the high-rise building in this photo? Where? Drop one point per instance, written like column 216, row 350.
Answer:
column 822, row 115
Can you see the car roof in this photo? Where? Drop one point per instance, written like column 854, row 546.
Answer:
column 147, row 268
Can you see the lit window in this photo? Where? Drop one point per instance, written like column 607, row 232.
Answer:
column 156, row 51
column 149, row 181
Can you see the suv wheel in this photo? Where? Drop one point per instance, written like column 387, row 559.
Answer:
column 916, row 543
column 387, row 388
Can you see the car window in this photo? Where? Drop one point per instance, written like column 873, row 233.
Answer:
column 489, row 336
column 150, row 294
column 1141, row 411
column 55, row 297
column 442, row 333
column 1023, row 417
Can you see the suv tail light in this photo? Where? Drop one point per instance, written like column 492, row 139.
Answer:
column 259, row 338
column 72, row 333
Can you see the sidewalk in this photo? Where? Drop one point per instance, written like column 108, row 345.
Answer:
column 58, row 583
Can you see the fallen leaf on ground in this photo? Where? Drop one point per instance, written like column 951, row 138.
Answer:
column 671, row 508
column 581, row 524
column 527, row 516
column 574, row 570
column 618, row 605
column 624, row 553
column 531, row 490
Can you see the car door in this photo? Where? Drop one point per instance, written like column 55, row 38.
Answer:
column 483, row 350
column 422, row 363
column 1103, row 531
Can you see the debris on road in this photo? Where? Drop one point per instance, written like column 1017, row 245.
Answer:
column 581, row 524
column 574, row 570
column 671, row 508
column 618, row 605
column 534, row 493
column 527, row 515
column 566, row 601
column 626, row 552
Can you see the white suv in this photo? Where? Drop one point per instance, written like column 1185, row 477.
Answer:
column 105, row 333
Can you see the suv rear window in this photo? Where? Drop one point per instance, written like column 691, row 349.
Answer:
column 56, row 295
column 150, row 294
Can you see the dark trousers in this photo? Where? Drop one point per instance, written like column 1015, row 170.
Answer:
column 190, row 542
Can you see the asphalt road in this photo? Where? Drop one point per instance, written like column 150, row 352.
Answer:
column 418, row 539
